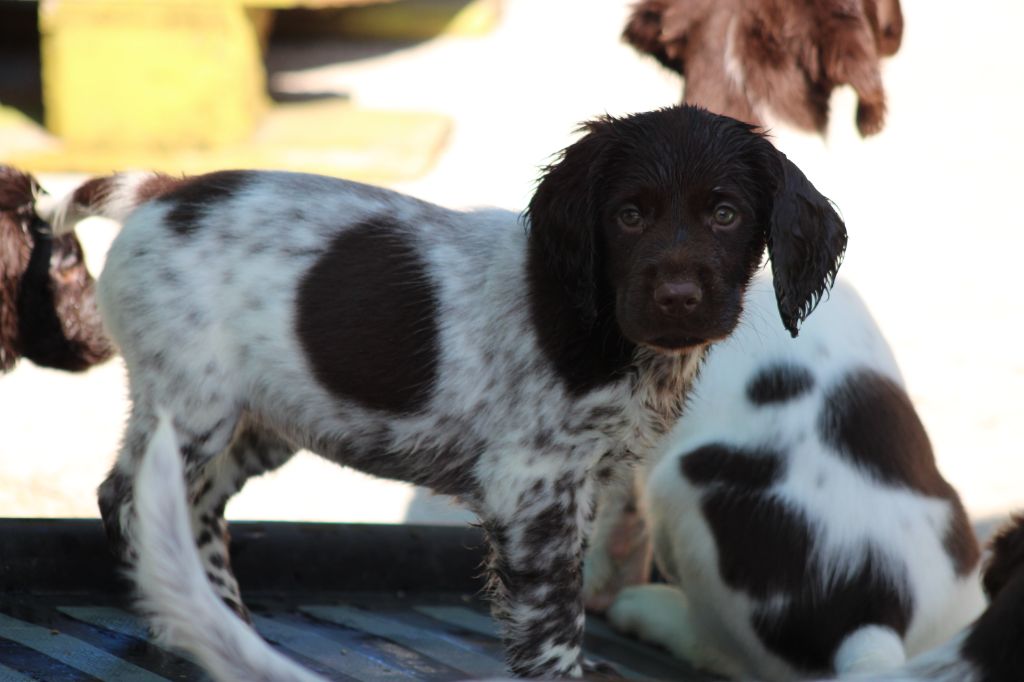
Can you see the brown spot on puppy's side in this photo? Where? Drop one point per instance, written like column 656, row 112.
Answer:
column 721, row 464
column 779, row 383
column 763, row 545
column 766, row 550
column 870, row 420
column 367, row 319
column 807, row 631
column 191, row 197
column 960, row 542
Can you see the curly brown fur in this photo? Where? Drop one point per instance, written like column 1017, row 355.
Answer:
column 751, row 59
column 47, row 308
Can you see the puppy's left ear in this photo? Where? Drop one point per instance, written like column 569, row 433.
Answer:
column 564, row 219
column 806, row 242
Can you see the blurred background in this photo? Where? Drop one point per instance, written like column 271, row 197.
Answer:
column 460, row 102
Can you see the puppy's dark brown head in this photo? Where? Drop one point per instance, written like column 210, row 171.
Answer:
column 657, row 221
column 47, row 308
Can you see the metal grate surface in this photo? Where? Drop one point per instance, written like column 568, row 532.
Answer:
column 409, row 608
column 356, row 636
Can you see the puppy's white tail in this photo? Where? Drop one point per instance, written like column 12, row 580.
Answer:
column 174, row 592
column 946, row 663
column 991, row 649
column 110, row 196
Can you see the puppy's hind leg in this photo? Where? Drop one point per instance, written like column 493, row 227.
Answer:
column 116, row 494
column 201, row 437
column 254, row 451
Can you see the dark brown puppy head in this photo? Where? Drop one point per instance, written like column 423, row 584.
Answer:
column 660, row 219
column 47, row 308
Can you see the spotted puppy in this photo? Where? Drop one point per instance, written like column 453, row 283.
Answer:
column 798, row 510
column 511, row 364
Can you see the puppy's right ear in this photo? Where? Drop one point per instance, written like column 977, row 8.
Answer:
column 563, row 216
column 806, row 242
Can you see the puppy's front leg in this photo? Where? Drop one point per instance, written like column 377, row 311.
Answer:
column 535, row 526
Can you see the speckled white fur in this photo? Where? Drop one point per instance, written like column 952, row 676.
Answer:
column 183, row 609
column 206, row 323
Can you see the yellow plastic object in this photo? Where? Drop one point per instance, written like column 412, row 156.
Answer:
column 130, row 74
column 331, row 138
column 308, row 4
column 395, row 19
column 421, row 19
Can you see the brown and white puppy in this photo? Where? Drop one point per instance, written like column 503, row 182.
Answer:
column 797, row 510
column 48, row 309
column 773, row 61
column 513, row 363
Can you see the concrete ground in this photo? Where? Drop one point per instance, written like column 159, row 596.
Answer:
column 929, row 203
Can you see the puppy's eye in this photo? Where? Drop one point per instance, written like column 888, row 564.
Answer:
column 630, row 218
column 724, row 215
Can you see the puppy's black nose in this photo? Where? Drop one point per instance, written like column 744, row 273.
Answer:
column 678, row 297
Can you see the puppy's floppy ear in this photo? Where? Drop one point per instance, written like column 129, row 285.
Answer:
column 17, row 195
column 563, row 216
column 806, row 242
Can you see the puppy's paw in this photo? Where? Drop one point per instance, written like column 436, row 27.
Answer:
column 660, row 614
column 653, row 613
